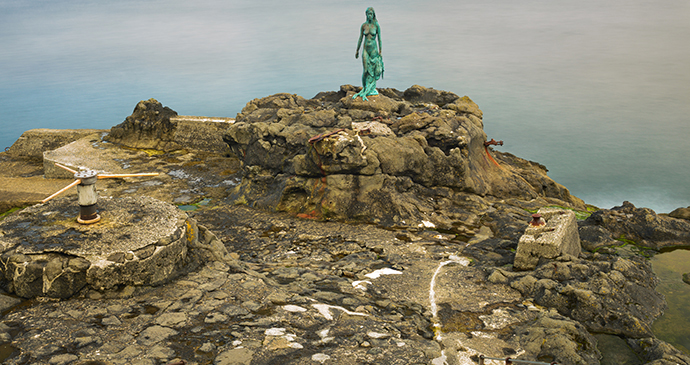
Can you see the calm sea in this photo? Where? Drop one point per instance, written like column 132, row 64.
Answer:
column 598, row 91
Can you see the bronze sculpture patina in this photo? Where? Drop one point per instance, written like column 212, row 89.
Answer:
column 372, row 61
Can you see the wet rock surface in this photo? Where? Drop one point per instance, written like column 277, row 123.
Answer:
column 277, row 288
column 296, row 291
column 315, row 290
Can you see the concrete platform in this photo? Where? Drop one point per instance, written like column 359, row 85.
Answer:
column 138, row 241
column 87, row 153
column 93, row 153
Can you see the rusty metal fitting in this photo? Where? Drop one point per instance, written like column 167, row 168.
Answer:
column 320, row 137
column 537, row 220
column 493, row 142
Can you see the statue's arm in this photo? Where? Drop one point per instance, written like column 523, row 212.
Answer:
column 378, row 35
column 359, row 42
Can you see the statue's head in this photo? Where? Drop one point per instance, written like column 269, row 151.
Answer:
column 371, row 15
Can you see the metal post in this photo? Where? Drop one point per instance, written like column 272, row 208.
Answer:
column 86, row 191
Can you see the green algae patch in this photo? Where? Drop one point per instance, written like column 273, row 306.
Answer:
column 633, row 247
column 5, row 214
column 579, row 214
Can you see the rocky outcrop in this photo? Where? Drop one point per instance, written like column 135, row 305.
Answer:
column 641, row 226
column 387, row 160
column 152, row 126
column 272, row 288
column 149, row 127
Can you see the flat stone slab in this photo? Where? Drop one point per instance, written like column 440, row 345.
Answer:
column 138, row 241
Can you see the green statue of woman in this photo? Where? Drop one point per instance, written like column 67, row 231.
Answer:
column 372, row 61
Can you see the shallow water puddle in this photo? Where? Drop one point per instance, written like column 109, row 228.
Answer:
column 674, row 325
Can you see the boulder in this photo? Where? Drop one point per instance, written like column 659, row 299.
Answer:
column 554, row 338
column 658, row 352
column 592, row 237
column 385, row 160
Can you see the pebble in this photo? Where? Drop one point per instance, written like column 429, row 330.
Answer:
column 62, row 359
column 111, row 321
column 161, row 352
column 320, row 357
column 155, row 334
column 207, row 347
column 171, row 319
column 215, row 318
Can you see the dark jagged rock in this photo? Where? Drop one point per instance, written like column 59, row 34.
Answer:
column 593, row 237
column 387, row 160
column 607, row 294
column 639, row 225
column 149, row 126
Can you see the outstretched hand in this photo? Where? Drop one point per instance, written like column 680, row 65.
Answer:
column 357, row 54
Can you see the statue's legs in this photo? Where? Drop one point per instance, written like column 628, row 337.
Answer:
column 368, row 78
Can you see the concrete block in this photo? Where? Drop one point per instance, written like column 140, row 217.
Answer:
column 557, row 237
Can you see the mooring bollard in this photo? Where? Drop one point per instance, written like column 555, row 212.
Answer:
column 88, row 197
column 537, row 220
